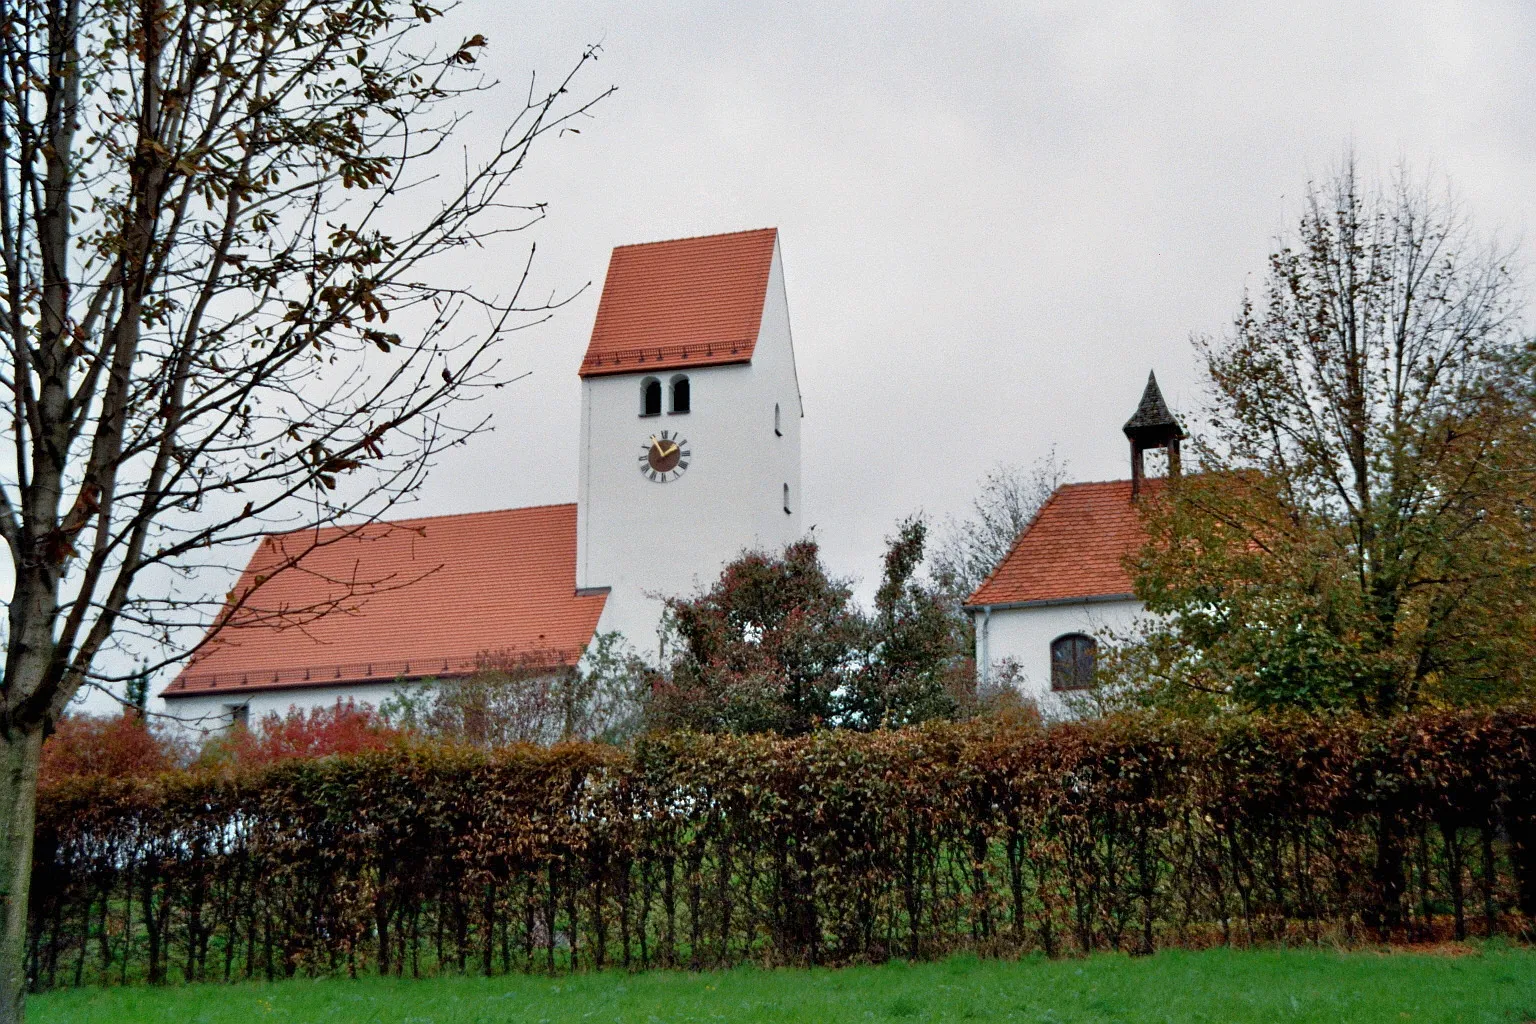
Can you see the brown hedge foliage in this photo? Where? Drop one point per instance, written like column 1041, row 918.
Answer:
column 1126, row 833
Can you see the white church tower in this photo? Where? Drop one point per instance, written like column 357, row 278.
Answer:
column 690, row 423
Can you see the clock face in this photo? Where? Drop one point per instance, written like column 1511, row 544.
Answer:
column 664, row 457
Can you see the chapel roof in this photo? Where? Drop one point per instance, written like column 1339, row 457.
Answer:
column 1074, row 549
column 681, row 303
column 414, row 598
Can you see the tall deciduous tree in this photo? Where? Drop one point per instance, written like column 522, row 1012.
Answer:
column 221, row 224
column 1363, row 534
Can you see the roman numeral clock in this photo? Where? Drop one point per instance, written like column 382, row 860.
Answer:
column 665, row 457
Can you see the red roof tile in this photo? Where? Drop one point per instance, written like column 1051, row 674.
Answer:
column 1075, row 548
column 414, row 598
column 687, row 302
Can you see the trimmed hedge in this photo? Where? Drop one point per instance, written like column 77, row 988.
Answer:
column 701, row 851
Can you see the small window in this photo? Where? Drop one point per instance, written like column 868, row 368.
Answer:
column 1074, row 660
column 239, row 715
column 681, row 397
column 776, row 429
column 786, row 499
column 650, row 397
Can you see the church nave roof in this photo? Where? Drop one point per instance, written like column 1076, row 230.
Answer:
column 409, row 599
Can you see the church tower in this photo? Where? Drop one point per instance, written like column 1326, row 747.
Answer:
column 690, row 423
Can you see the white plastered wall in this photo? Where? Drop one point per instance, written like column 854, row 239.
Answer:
column 1023, row 636
column 211, row 712
column 645, row 540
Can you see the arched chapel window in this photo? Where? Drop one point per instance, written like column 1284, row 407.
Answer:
column 776, row 429
column 681, row 394
column 786, row 499
column 1074, row 659
column 650, row 397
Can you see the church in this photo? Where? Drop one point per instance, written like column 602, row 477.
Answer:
column 690, row 454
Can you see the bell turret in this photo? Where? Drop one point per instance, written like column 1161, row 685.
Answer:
column 1152, row 426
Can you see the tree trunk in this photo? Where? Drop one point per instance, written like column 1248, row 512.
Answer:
column 1390, row 880
column 20, row 752
column 1522, row 835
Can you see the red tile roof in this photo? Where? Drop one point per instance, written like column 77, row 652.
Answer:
column 1074, row 548
column 414, row 598
column 687, row 302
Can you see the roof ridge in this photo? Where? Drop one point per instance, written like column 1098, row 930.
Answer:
column 695, row 238
column 1093, row 483
column 420, row 519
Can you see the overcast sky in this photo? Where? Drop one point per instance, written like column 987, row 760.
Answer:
column 994, row 219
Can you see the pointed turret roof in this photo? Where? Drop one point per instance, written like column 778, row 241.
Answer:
column 1152, row 419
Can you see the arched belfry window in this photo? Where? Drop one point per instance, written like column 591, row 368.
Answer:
column 1074, row 659
column 682, row 396
column 650, row 397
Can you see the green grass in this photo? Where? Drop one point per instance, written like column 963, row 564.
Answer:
column 1496, row 985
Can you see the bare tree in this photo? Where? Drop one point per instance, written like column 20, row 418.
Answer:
column 530, row 699
column 1010, row 496
column 223, row 306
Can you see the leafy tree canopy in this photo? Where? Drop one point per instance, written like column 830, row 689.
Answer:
column 777, row 644
column 1362, row 534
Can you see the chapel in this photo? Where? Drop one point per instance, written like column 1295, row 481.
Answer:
column 1064, row 585
column 689, row 453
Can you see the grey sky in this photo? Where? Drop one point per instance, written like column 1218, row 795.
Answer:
column 995, row 218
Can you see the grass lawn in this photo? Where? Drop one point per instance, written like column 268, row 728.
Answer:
column 1497, row 984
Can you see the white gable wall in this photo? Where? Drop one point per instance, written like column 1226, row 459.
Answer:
column 647, row 540
column 1023, row 634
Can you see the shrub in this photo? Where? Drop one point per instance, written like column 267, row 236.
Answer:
column 702, row 850
column 122, row 746
column 343, row 728
column 528, row 699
